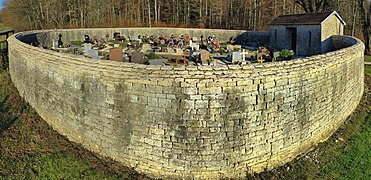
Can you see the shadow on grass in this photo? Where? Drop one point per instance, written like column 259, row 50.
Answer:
column 326, row 160
column 6, row 119
column 31, row 149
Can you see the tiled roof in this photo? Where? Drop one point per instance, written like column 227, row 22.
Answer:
column 306, row 19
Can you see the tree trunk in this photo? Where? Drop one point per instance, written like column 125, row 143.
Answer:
column 364, row 9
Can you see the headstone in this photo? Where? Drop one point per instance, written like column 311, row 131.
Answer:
column 230, row 48
column 87, row 39
column 236, row 56
column 115, row 54
column 94, row 54
column 205, row 56
column 162, row 42
column 194, row 39
column 244, row 53
column 170, row 50
column 157, row 62
column 134, row 38
column 125, row 57
column 276, row 54
column 116, row 45
column 195, row 47
column 60, row 43
column 87, row 48
column 179, row 51
column 237, row 47
column 146, row 48
column 116, row 35
column 137, row 57
column 55, row 44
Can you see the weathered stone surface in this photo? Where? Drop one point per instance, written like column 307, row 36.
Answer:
column 169, row 123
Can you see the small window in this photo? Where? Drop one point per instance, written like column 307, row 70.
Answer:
column 310, row 39
column 275, row 35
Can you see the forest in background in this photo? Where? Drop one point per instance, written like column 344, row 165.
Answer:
column 225, row 14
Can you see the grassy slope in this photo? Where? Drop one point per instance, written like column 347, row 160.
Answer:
column 368, row 70
column 3, row 28
column 345, row 155
column 368, row 58
column 29, row 148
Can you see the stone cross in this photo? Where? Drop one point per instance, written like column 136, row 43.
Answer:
column 60, row 43
column 244, row 53
column 261, row 60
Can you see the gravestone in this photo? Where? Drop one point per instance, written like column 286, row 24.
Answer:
column 230, row 48
column 116, row 45
column 87, row 39
column 55, row 44
column 137, row 57
column 125, row 57
column 162, row 42
column 195, row 47
column 60, row 43
column 170, row 50
column 237, row 47
column 115, row 54
column 116, row 35
column 236, row 56
column 94, row 54
column 179, row 51
column 87, row 48
column 194, row 39
column 276, row 54
column 146, row 48
column 205, row 56
column 157, row 62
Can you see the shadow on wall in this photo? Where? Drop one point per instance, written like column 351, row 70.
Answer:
column 35, row 39
column 250, row 37
column 338, row 42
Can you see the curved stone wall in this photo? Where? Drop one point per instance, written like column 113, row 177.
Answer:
column 192, row 122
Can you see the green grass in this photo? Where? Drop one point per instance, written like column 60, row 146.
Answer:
column 31, row 149
column 345, row 155
column 368, row 70
column 3, row 27
column 355, row 161
column 367, row 58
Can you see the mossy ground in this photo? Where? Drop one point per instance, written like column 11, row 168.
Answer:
column 367, row 58
column 3, row 28
column 345, row 155
column 30, row 149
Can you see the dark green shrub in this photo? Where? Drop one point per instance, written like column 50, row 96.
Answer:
column 152, row 55
column 77, row 43
column 286, row 54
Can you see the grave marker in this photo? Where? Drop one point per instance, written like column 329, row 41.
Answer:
column 236, row 57
column 115, row 54
column 179, row 51
column 146, row 48
column 205, row 56
column 137, row 57
column 94, row 54
column 87, row 48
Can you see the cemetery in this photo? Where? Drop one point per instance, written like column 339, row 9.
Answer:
column 178, row 103
column 174, row 49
